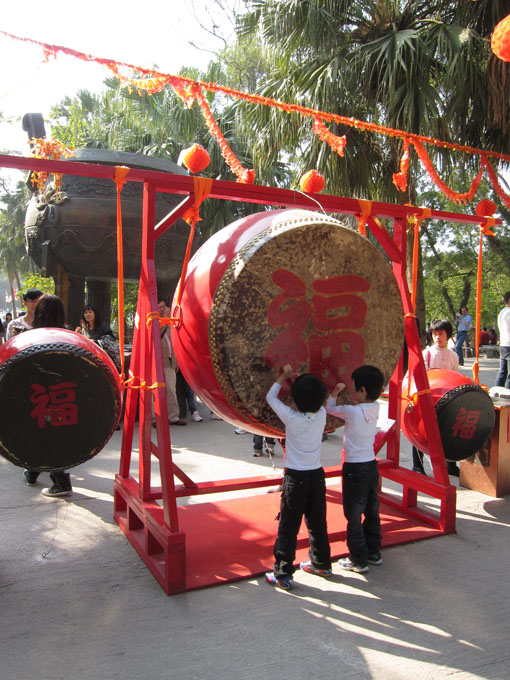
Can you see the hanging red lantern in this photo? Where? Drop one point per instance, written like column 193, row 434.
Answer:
column 196, row 158
column 485, row 208
column 312, row 182
column 500, row 41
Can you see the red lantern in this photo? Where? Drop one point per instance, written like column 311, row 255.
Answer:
column 485, row 208
column 500, row 41
column 312, row 182
column 196, row 158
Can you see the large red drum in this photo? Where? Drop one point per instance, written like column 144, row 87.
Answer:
column 278, row 287
column 60, row 397
column 465, row 414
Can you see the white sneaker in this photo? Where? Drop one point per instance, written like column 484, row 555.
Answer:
column 196, row 417
column 239, row 430
column 215, row 416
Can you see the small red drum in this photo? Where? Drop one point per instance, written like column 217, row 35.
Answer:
column 60, row 396
column 278, row 287
column 465, row 414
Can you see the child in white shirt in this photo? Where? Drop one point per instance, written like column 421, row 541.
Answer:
column 438, row 356
column 304, row 483
column 360, row 474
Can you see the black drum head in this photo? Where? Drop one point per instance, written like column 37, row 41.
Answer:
column 60, row 405
column 465, row 416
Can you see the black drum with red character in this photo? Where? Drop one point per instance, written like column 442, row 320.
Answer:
column 60, row 396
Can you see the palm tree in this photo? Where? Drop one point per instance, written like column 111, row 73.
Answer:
column 416, row 65
column 13, row 257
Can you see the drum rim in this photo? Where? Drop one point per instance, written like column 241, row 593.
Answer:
column 455, row 392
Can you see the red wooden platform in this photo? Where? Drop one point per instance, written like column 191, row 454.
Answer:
column 230, row 540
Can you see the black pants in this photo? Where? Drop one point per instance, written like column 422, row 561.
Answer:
column 451, row 465
column 303, row 493
column 60, row 477
column 418, row 460
column 360, row 491
column 185, row 396
column 258, row 442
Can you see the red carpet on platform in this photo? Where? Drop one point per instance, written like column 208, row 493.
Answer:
column 233, row 539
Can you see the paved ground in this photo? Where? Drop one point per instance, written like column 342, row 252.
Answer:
column 77, row 602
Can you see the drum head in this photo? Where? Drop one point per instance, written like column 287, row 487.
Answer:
column 465, row 416
column 60, row 405
column 308, row 292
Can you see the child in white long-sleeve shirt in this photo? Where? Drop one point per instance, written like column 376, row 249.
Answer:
column 438, row 356
column 304, row 484
column 360, row 475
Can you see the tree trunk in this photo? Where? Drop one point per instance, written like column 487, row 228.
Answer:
column 13, row 297
column 420, row 289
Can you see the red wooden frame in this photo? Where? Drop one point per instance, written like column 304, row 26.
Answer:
column 152, row 527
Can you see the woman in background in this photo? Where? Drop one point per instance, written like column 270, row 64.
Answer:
column 50, row 313
column 91, row 324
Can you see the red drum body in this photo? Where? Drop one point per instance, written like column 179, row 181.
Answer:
column 60, row 396
column 465, row 414
column 283, row 287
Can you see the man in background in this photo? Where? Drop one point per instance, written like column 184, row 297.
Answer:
column 503, row 379
column 25, row 322
column 463, row 326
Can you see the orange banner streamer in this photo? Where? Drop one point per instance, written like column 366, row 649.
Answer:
column 454, row 196
column 400, row 179
column 244, row 176
column 151, row 81
column 335, row 142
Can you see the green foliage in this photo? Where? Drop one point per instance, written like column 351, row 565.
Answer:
column 130, row 299
column 71, row 119
column 450, row 257
column 32, row 280
column 13, row 257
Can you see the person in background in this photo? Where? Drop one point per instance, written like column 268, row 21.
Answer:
column 170, row 369
column 91, row 325
column 439, row 356
column 2, row 334
column 503, row 379
column 428, row 335
column 493, row 337
column 484, row 337
column 261, row 444
column 50, row 313
column 463, row 325
column 186, row 399
column 24, row 323
column 8, row 319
